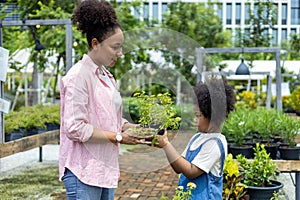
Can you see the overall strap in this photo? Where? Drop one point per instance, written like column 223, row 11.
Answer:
column 221, row 147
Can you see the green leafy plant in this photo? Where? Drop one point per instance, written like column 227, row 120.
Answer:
column 288, row 129
column 236, row 126
column 233, row 188
column 260, row 170
column 156, row 112
column 268, row 123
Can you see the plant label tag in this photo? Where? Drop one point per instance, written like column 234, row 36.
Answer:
column 4, row 106
column 4, row 53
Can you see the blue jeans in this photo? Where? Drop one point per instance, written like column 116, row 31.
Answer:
column 76, row 190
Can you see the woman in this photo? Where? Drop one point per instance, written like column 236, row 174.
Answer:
column 91, row 114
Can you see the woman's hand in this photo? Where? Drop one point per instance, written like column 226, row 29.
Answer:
column 128, row 138
column 162, row 139
column 128, row 125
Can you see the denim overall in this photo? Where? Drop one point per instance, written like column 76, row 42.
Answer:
column 209, row 186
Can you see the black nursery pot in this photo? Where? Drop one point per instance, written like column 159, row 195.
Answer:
column 289, row 153
column 245, row 150
column 264, row 193
column 272, row 150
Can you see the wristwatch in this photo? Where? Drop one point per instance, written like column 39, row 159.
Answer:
column 119, row 137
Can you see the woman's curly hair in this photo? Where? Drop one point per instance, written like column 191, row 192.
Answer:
column 96, row 19
column 215, row 99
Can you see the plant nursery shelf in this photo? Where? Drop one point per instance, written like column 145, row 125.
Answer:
column 288, row 165
column 30, row 142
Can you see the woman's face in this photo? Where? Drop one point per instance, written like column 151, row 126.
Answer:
column 108, row 51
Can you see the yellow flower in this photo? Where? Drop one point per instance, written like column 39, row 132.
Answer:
column 192, row 185
column 136, row 94
column 180, row 187
column 178, row 119
column 227, row 191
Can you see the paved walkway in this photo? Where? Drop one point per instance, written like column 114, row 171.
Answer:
column 140, row 178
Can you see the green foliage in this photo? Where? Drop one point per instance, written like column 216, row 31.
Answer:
column 260, row 170
column 295, row 99
column 260, row 123
column 157, row 110
column 288, row 129
column 32, row 117
column 235, row 126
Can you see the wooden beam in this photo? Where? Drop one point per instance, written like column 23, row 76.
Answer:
column 30, row 142
column 288, row 165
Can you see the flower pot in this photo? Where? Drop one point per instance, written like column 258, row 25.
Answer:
column 52, row 126
column 16, row 134
column 246, row 150
column 272, row 149
column 264, row 193
column 289, row 153
column 35, row 131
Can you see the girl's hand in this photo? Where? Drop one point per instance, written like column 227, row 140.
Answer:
column 162, row 139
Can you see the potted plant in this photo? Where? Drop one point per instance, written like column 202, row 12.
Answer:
column 233, row 188
column 51, row 113
column 236, row 125
column 259, row 174
column 13, row 126
column 156, row 113
column 267, row 127
column 289, row 129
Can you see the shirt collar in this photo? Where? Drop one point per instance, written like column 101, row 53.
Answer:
column 94, row 67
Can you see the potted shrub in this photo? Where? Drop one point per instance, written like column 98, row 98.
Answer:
column 236, row 125
column 289, row 129
column 157, row 112
column 267, row 127
column 34, row 121
column 13, row 126
column 51, row 113
column 259, row 174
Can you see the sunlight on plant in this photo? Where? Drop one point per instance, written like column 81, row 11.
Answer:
column 247, row 99
column 260, row 170
column 157, row 110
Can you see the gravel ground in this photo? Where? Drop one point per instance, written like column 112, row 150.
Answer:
column 11, row 164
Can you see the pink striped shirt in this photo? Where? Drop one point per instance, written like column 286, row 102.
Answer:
column 88, row 102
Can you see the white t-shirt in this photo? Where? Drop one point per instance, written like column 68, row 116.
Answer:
column 116, row 96
column 205, row 159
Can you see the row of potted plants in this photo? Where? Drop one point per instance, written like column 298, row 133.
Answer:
column 245, row 127
column 31, row 120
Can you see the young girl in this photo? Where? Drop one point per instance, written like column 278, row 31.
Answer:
column 203, row 159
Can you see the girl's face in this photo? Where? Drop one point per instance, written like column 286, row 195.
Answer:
column 107, row 52
column 202, row 123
